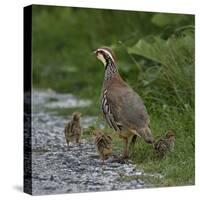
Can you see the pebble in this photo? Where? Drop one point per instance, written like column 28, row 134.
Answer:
column 141, row 182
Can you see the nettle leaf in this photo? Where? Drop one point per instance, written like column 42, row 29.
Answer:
column 151, row 75
column 172, row 51
column 155, row 51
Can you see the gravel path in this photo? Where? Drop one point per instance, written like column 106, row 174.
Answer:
column 57, row 169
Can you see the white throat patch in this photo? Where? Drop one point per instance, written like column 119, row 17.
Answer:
column 100, row 56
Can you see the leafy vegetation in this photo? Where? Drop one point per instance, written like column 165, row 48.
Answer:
column 155, row 55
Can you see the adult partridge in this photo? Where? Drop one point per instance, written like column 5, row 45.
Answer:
column 122, row 107
column 72, row 129
column 165, row 144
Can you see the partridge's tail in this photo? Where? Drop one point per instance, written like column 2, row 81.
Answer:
column 146, row 134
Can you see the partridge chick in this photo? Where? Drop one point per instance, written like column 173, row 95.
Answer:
column 165, row 144
column 103, row 144
column 123, row 109
column 73, row 129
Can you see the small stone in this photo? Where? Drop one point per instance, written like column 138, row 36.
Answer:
column 141, row 182
column 134, row 182
column 138, row 173
column 50, row 188
column 114, row 165
column 138, row 186
column 51, row 178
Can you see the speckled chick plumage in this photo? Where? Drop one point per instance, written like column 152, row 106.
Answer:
column 103, row 144
column 165, row 144
column 72, row 129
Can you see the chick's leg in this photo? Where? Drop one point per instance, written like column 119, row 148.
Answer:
column 132, row 144
column 67, row 143
column 78, row 140
column 134, row 139
column 103, row 162
column 125, row 153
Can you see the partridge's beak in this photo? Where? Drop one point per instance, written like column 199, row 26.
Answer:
column 94, row 52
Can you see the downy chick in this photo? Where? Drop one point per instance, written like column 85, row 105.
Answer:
column 73, row 129
column 103, row 144
column 165, row 144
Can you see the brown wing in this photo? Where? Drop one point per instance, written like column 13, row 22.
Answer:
column 127, row 107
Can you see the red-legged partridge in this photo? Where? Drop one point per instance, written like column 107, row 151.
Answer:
column 122, row 107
